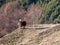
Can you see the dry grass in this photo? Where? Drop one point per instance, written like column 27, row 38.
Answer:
column 33, row 37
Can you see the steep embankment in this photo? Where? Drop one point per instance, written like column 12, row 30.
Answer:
column 50, row 36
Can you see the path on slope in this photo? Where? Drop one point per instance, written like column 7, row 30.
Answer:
column 31, row 36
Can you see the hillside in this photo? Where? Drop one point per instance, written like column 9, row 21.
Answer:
column 41, row 16
column 49, row 36
column 32, row 11
column 11, row 12
column 51, row 8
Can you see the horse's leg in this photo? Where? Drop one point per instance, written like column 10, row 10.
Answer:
column 23, row 27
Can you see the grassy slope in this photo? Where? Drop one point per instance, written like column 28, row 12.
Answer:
column 33, row 36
